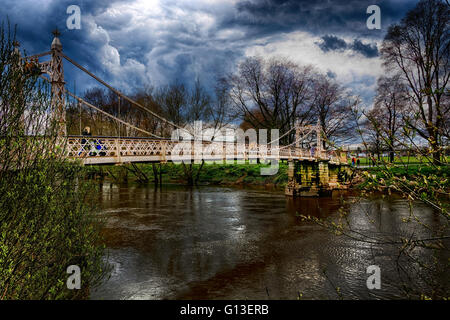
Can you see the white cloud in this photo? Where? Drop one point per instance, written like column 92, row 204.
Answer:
column 119, row 69
column 301, row 47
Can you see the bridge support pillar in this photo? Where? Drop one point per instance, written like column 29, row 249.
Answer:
column 291, row 186
column 312, row 178
column 324, row 174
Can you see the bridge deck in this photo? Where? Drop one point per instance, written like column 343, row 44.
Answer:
column 115, row 150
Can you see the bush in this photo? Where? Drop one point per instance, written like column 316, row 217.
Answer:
column 47, row 224
column 47, row 219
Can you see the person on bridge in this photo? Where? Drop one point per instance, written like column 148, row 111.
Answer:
column 87, row 131
column 313, row 151
column 85, row 146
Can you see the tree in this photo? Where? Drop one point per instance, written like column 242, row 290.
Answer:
column 272, row 94
column 333, row 106
column 46, row 213
column 372, row 136
column 100, row 124
column 142, row 119
column 184, row 107
column 386, row 119
column 419, row 48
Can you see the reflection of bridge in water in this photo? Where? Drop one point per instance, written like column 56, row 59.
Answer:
column 312, row 174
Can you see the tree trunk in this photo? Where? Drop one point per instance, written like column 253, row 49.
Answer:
column 433, row 141
column 188, row 174
column 391, row 156
column 437, row 157
column 197, row 176
column 160, row 174
column 155, row 174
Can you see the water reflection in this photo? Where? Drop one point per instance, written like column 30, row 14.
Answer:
column 226, row 243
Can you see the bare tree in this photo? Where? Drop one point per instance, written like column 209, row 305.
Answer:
column 271, row 94
column 372, row 136
column 390, row 106
column 144, row 120
column 184, row 107
column 333, row 107
column 419, row 48
column 97, row 97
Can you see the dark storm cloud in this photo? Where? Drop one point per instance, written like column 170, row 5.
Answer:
column 331, row 74
column 368, row 50
column 318, row 17
column 334, row 43
column 330, row 42
column 36, row 20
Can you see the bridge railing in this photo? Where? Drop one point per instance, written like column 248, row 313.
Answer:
column 125, row 149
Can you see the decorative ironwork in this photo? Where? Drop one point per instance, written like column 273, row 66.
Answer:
column 112, row 150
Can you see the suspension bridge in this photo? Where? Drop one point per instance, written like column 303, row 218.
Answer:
column 96, row 150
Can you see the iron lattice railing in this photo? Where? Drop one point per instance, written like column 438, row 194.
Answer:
column 146, row 149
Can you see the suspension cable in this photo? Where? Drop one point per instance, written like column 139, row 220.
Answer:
column 123, row 95
column 301, row 138
column 282, row 136
column 37, row 55
column 80, row 100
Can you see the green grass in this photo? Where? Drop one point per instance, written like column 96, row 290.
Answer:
column 414, row 170
column 212, row 173
column 427, row 176
column 400, row 160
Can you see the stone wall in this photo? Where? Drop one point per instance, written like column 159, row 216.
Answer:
column 314, row 178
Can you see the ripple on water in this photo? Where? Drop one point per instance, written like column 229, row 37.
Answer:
column 213, row 242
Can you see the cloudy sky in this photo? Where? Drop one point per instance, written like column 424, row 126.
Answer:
column 133, row 43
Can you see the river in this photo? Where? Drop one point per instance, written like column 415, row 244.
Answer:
column 234, row 243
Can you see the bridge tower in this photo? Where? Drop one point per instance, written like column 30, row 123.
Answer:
column 319, row 141
column 17, row 66
column 57, row 83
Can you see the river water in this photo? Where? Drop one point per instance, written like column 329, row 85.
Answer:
column 233, row 243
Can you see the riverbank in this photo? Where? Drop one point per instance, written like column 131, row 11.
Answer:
column 438, row 174
column 210, row 174
column 250, row 175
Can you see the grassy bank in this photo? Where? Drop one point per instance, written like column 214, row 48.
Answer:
column 404, row 160
column 421, row 181
column 210, row 173
column 425, row 178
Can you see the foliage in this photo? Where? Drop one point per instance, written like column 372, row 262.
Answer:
column 47, row 220
column 47, row 224
column 213, row 173
column 418, row 48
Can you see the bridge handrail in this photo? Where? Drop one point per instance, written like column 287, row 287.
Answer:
column 118, row 147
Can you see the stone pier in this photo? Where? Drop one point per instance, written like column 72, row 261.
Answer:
column 313, row 178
